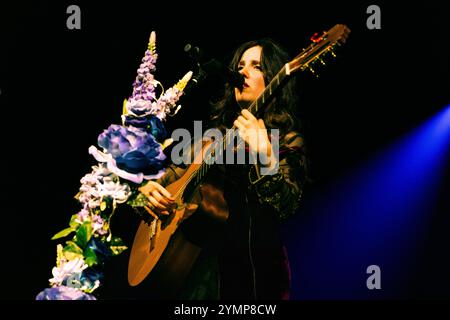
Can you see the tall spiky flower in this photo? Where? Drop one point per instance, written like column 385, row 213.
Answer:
column 168, row 101
column 140, row 102
column 133, row 151
column 143, row 102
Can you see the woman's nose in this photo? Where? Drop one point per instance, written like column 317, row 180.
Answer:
column 244, row 72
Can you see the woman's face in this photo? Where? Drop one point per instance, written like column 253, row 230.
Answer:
column 250, row 67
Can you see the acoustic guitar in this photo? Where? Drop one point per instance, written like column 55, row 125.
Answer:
column 152, row 238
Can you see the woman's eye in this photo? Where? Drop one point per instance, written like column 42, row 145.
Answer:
column 257, row 66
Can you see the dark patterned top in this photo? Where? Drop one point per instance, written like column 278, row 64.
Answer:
column 284, row 189
column 244, row 256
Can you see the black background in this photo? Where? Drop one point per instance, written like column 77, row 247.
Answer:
column 60, row 88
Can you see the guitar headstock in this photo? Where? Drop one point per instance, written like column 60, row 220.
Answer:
column 322, row 44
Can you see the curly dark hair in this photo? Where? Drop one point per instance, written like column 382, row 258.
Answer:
column 281, row 112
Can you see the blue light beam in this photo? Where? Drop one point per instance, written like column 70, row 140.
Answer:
column 377, row 214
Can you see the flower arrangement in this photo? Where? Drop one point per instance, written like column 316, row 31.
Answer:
column 130, row 155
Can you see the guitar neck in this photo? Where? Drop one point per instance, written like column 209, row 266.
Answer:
column 263, row 99
column 270, row 89
column 321, row 45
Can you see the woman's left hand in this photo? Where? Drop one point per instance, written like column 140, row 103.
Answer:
column 254, row 132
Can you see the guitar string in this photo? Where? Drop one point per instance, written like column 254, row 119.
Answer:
column 204, row 165
column 314, row 53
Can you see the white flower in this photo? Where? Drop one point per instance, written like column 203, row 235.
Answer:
column 168, row 101
column 100, row 183
column 67, row 269
column 109, row 188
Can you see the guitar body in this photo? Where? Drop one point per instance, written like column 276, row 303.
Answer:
column 147, row 250
column 169, row 271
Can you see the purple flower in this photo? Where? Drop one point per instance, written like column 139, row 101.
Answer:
column 137, row 122
column 134, row 150
column 149, row 123
column 63, row 293
column 138, row 106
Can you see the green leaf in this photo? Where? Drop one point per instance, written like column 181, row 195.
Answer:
column 139, row 201
column 106, row 203
column 72, row 250
column 90, row 257
column 72, row 247
column 117, row 246
column 84, row 234
column 73, row 224
column 63, row 233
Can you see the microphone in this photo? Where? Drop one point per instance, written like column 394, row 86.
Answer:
column 212, row 67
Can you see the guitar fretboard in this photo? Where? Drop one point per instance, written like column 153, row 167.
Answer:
column 227, row 140
column 304, row 61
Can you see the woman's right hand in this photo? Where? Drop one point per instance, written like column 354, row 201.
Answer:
column 160, row 201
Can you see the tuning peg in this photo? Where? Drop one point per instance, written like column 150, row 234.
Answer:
column 321, row 61
column 332, row 53
column 313, row 72
column 311, row 69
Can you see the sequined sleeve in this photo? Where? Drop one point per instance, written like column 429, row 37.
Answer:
column 283, row 189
